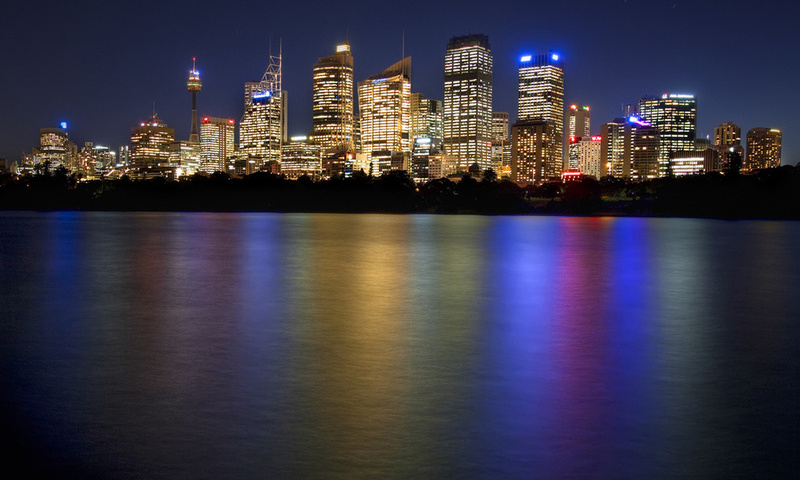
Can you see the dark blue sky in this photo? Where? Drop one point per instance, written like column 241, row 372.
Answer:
column 101, row 65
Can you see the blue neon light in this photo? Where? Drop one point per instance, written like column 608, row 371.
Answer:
column 64, row 125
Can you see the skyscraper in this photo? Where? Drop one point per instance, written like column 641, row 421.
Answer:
column 675, row 118
column 150, row 144
column 263, row 125
column 194, row 85
column 728, row 142
column 385, row 116
column 541, row 97
column 332, row 101
column 426, row 117
column 217, row 142
column 763, row 148
column 532, row 145
column 629, row 148
column 578, row 127
column 468, row 67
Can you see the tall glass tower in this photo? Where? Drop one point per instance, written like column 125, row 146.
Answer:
column 675, row 118
column 541, row 98
column 263, row 126
column 468, row 68
column 332, row 101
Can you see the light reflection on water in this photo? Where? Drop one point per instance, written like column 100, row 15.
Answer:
column 195, row 345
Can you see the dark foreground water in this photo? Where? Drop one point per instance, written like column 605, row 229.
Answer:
column 194, row 345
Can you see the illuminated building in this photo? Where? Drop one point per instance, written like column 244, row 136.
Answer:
column 184, row 159
column 532, row 146
column 263, row 125
column 424, row 149
column 578, row 127
column 541, row 97
column 427, row 117
column 194, row 85
column 150, row 144
column 763, row 148
column 589, row 162
column 468, row 101
column 501, row 147
column 675, row 117
column 217, row 143
column 332, row 101
column 385, row 116
column 299, row 157
column 630, row 148
column 728, row 142
column 96, row 161
column 55, row 148
column 693, row 162
column 124, row 158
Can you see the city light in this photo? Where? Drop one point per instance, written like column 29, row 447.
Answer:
column 525, row 58
column 554, row 57
column 64, row 125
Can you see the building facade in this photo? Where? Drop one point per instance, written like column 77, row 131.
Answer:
column 532, row 146
column 675, row 117
column 385, row 116
column 150, row 144
column 728, row 142
column 217, row 143
column 468, row 78
column 763, row 148
column 333, row 102
column 262, row 130
column 541, row 97
column 427, row 117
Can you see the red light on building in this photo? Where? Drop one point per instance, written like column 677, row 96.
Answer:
column 574, row 139
column 597, row 138
column 573, row 107
column 230, row 120
column 205, row 119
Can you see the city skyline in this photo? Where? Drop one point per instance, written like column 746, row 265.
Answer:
column 107, row 87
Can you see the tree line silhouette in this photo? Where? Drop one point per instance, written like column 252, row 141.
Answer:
column 768, row 193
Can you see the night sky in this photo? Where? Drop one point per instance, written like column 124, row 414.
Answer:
column 101, row 65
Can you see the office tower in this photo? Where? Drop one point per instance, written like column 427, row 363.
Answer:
column 675, row 117
column 615, row 152
column 332, row 101
column 55, row 148
column 532, row 146
column 194, row 85
column 124, row 158
column 541, row 97
column 501, row 146
column 468, row 101
column 217, row 143
column 385, row 115
column 645, row 149
column 184, row 159
column 150, row 144
column 96, row 161
column 630, row 148
column 578, row 128
column 589, row 162
column 427, row 117
column 263, row 125
column 299, row 158
column 728, row 142
column 700, row 160
column 425, row 149
column 763, row 148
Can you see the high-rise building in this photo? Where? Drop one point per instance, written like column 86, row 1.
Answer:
column 301, row 158
column 384, row 102
column 217, row 142
column 501, row 146
column 532, row 145
column 263, row 126
column 675, row 117
column 150, row 144
column 427, row 117
column 630, row 148
column 578, row 128
column 728, row 142
column 194, row 85
column 468, row 67
column 763, row 148
column 541, row 97
column 589, row 162
column 615, row 154
column 424, row 150
column 332, row 101
column 55, row 148
column 184, row 159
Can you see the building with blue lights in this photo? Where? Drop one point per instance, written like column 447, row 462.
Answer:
column 541, row 98
column 675, row 118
